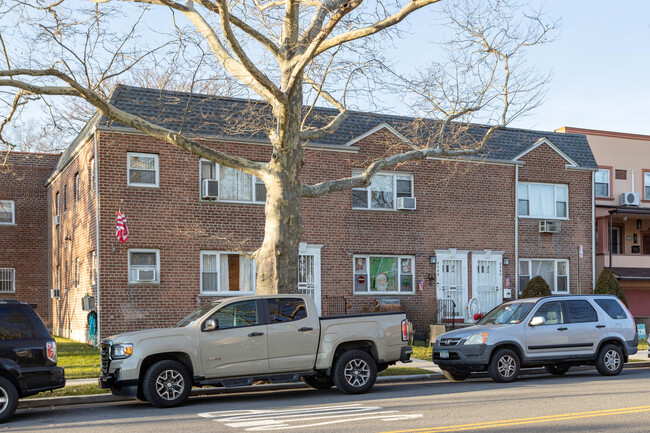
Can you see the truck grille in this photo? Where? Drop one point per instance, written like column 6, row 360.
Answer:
column 449, row 341
column 104, row 357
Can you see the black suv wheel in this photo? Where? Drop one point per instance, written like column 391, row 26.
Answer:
column 504, row 366
column 610, row 360
column 8, row 399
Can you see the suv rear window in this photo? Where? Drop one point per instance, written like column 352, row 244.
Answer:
column 612, row 308
column 14, row 324
column 582, row 311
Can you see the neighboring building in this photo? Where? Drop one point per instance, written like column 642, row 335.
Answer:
column 23, row 228
column 622, row 200
column 474, row 228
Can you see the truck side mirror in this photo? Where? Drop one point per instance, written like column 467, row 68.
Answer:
column 537, row 320
column 210, row 325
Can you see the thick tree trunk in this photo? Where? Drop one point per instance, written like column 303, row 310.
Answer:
column 277, row 258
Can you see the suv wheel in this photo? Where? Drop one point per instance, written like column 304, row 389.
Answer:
column 610, row 360
column 8, row 399
column 557, row 369
column 504, row 366
column 355, row 372
column 166, row 384
column 455, row 374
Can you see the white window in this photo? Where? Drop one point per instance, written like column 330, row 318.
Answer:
column 142, row 169
column 7, row 212
column 77, row 272
column 601, row 182
column 144, row 266
column 383, row 191
column 56, row 291
column 384, row 274
column 7, row 280
column 234, row 185
column 554, row 272
column 224, row 272
column 543, row 200
column 91, row 174
column 646, row 185
column 93, row 268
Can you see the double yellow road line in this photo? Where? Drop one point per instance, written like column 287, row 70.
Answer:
column 524, row 421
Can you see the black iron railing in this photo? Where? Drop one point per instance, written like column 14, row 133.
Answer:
column 335, row 306
column 447, row 313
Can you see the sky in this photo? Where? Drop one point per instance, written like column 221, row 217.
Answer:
column 600, row 65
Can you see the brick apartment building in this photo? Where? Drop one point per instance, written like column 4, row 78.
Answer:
column 479, row 228
column 622, row 207
column 23, row 228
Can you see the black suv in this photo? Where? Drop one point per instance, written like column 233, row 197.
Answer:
column 27, row 356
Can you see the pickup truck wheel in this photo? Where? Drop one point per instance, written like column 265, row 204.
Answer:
column 455, row 375
column 557, row 369
column 318, row 381
column 355, row 372
column 8, row 399
column 610, row 360
column 166, row 384
column 504, row 366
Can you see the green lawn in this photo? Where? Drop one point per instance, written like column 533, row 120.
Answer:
column 79, row 360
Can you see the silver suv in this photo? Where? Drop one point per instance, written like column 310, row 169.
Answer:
column 556, row 332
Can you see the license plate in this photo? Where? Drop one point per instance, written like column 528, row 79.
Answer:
column 444, row 354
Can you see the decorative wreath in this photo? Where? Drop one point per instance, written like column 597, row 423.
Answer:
column 478, row 316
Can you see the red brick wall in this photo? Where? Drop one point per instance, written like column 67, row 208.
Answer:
column 462, row 205
column 23, row 246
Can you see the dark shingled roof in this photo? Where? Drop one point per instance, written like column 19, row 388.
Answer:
column 632, row 273
column 216, row 116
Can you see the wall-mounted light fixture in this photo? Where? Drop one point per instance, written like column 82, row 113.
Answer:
column 432, row 259
column 506, row 261
column 639, row 224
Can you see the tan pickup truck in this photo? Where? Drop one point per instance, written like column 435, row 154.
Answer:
column 237, row 341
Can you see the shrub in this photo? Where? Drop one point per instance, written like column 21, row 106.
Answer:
column 536, row 287
column 607, row 284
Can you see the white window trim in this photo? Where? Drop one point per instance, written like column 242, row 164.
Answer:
column 609, row 186
column 77, row 272
column 399, row 276
column 56, row 291
column 555, row 262
column 646, row 183
column 217, row 173
column 76, row 187
column 12, row 272
column 219, row 292
column 13, row 213
column 395, row 174
column 93, row 268
column 144, row 250
column 555, row 185
column 128, row 170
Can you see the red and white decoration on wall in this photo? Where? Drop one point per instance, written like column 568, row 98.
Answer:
column 121, row 230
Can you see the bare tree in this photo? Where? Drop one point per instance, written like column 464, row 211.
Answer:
column 288, row 53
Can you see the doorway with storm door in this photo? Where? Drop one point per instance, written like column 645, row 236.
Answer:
column 451, row 279
column 309, row 272
column 487, row 279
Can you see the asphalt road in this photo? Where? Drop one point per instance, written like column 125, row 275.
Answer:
column 577, row 402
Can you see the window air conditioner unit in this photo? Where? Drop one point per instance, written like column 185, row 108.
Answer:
column 146, row 275
column 549, row 227
column 406, row 203
column 210, row 188
column 56, row 220
column 630, row 199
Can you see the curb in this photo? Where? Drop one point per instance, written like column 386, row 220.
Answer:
column 197, row 392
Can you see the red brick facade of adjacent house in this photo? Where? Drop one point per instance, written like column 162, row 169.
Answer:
column 24, row 245
column 461, row 206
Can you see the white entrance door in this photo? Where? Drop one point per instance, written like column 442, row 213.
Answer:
column 487, row 279
column 451, row 278
column 309, row 272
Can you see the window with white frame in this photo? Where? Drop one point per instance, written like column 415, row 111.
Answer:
column 543, row 200
column 555, row 273
column 91, row 174
column 144, row 266
column 76, row 187
column 56, row 291
column 7, row 280
column 93, row 268
column 77, row 272
column 7, row 212
column 646, row 185
column 142, row 169
column 233, row 185
column 383, row 191
column 601, row 182
column 225, row 272
column 383, row 274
